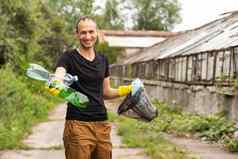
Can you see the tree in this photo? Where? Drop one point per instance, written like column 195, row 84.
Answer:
column 71, row 10
column 108, row 17
column 30, row 32
column 156, row 14
column 111, row 53
column 111, row 15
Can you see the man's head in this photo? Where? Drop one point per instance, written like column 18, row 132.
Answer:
column 86, row 32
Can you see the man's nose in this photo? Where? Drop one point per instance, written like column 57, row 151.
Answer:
column 88, row 35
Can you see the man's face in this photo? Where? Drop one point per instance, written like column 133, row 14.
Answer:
column 87, row 33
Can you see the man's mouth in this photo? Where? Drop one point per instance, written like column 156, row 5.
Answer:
column 88, row 42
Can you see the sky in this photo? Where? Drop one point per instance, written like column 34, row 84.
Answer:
column 195, row 13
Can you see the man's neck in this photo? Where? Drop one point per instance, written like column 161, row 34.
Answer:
column 89, row 54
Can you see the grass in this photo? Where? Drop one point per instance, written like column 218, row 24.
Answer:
column 22, row 104
column 213, row 128
column 139, row 134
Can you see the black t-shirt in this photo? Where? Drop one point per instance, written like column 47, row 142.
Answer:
column 90, row 82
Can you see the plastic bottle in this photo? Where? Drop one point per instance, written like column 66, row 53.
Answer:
column 68, row 79
column 76, row 98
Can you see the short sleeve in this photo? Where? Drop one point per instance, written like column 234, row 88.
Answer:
column 107, row 67
column 63, row 61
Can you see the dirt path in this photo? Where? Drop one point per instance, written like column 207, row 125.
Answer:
column 45, row 142
column 202, row 150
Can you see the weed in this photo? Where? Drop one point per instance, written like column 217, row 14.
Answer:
column 213, row 128
column 20, row 108
column 139, row 134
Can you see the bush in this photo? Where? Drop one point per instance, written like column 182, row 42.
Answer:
column 213, row 128
column 19, row 109
column 112, row 53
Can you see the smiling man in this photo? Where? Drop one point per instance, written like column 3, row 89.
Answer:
column 87, row 131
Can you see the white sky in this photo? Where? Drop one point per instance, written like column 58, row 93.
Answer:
column 195, row 13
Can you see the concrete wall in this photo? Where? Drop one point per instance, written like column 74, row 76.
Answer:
column 197, row 99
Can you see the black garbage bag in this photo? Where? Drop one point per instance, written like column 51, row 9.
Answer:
column 138, row 106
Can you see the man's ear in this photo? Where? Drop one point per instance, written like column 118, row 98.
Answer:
column 76, row 34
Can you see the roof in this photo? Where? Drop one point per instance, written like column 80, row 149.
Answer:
column 216, row 35
column 134, row 39
column 138, row 33
column 132, row 42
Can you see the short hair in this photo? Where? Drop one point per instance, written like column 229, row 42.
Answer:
column 83, row 18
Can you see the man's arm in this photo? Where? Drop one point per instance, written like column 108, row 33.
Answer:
column 60, row 73
column 110, row 93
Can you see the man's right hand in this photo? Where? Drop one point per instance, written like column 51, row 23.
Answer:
column 55, row 84
column 52, row 87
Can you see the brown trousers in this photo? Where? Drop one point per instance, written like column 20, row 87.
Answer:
column 87, row 140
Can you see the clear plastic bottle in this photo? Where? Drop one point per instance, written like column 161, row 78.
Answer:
column 68, row 79
column 76, row 98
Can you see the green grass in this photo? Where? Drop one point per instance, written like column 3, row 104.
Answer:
column 21, row 105
column 139, row 134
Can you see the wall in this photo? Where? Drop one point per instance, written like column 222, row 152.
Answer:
column 197, row 99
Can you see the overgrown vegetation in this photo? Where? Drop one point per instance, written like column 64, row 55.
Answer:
column 139, row 134
column 19, row 108
column 111, row 53
column 30, row 32
column 213, row 129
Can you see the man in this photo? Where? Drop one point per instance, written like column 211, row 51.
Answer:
column 87, row 132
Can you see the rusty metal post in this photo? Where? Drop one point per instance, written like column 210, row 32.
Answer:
column 214, row 67
column 234, row 62
column 186, row 78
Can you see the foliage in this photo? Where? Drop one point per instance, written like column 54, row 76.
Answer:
column 71, row 10
column 112, row 116
column 111, row 16
column 41, row 30
column 55, row 42
column 30, row 31
column 231, row 144
column 213, row 128
column 156, row 14
column 111, row 53
column 148, row 14
column 18, row 35
column 155, row 145
column 19, row 110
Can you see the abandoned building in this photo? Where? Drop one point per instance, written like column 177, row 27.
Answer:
column 133, row 41
column 196, row 69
